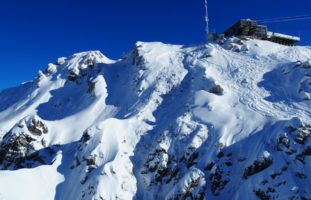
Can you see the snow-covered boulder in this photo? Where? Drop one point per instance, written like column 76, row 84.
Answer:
column 61, row 60
column 51, row 69
column 210, row 51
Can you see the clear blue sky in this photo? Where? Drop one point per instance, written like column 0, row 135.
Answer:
column 34, row 33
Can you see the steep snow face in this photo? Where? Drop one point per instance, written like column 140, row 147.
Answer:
column 230, row 120
column 67, row 89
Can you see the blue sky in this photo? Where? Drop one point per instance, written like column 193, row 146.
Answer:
column 34, row 33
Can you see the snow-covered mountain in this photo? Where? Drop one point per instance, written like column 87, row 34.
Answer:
column 230, row 120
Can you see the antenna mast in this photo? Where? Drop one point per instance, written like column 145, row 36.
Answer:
column 206, row 20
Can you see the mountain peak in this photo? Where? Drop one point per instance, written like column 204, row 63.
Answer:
column 227, row 120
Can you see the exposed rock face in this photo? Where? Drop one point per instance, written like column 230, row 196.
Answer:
column 157, row 164
column 302, row 134
column 136, row 56
column 257, row 167
column 20, row 146
column 177, row 171
column 218, row 181
column 293, row 144
column 87, row 164
column 37, row 127
column 73, row 74
column 162, row 166
column 88, row 160
column 94, row 157
column 191, row 186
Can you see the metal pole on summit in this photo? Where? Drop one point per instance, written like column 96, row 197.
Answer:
column 206, row 21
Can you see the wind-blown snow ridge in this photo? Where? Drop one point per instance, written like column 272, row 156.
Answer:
column 230, row 120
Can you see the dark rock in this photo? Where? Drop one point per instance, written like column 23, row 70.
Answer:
column 220, row 154
column 285, row 168
column 264, row 182
column 90, row 161
column 274, row 175
column 217, row 89
column 281, row 183
column 210, row 166
column 283, row 141
column 174, row 173
column 37, row 127
column 229, row 164
column 157, row 164
column 188, row 190
column 256, row 167
column 91, row 86
column 192, row 160
column 218, row 182
column 306, row 152
column 73, row 76
column 262, row 194
column 137, row 59
column 161, row 173
column 16, row 150
column 85, row 137
column 301, row 175
column 83, row 181
column 89, row 63
column 242, row 159
column 303, row 134
column 18, row 146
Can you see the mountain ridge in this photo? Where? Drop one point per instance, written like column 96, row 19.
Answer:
column 164, row 122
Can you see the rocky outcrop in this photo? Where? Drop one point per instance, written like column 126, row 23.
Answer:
column 234, row 44
column 302, row 134
column 73, row 74
column 136, row 57
column 257, row 166
column 177, row 170
column 88, row 160
column 21, row 145
column 37, row 127
column 306, row 153
column 191, row 186
column 217, row 89
column 218, row 180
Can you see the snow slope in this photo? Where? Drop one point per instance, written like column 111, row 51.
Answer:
column 230, row 120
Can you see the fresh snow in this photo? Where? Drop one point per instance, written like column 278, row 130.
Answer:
column 37, row 183
column 220, row 121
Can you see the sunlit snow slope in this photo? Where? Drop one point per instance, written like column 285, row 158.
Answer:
column 230, row 120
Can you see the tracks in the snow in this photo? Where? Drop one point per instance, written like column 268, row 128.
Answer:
column 243, row 73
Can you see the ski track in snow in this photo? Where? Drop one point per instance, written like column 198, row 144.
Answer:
column 250, row 93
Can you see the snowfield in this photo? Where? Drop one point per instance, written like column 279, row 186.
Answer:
column 229, row 120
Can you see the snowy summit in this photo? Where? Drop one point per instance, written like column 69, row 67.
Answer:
column 229, row 120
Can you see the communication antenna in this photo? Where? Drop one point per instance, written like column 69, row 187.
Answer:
column 206, row 21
